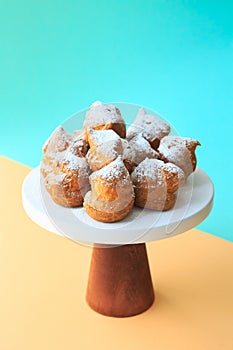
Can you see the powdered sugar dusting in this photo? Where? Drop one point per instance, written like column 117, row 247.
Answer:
column 53, row 179
column 149, row 170
column 98, row 137
column 100, row 114
column 149, row 125
column 142, row 149
column 173, row 141
column 75, row 163
column 172, row 168
column 58, row 141
column 95, row 104
column 112, row 172
column 175, row 150
column 111, row 148
column 66, row 160
column 128, row 151
column 99, row 156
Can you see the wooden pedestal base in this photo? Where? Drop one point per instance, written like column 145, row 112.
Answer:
column 119, row 282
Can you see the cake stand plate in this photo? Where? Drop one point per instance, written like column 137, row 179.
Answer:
column 119, row 279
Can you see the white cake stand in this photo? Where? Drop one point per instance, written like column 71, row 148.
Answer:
column 119, row 280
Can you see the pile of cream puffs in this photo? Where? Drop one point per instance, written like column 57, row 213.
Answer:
column 108, row 169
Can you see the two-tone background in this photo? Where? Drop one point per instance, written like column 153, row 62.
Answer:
column 176, row 57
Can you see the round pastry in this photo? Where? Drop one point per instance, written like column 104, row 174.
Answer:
column 98, row 137
column 65, row 168
column 68, row 182
column 102, row 116
column 180, row 151
column 142, row 149
column 155, row 183
column 103, row 154
column 57, row 143
column 152, row 128
column 111, row 197
column 106, row 146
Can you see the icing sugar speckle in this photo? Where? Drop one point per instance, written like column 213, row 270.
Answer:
column 142, row 149
column 98, row 137
column 100, row 114
column 149, row 170
column 58, row 141
column 112, row 172
column 149, row 125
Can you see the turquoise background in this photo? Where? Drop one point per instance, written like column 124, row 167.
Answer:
column 175, row 57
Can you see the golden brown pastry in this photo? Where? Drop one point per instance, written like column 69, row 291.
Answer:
column 180, row 151
column 99, row 137
column 106, row 145
column 142, row 149
column 152, row 128
column 81, row 133
column 111, row 197
column 68, row 182
column 79, row 147
column 103, row 116
column 103, row 154
column 155, row 183
column 57, row 143
column 128, row 155
column 65, row 168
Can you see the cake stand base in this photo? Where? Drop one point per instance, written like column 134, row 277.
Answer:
column 120, row 282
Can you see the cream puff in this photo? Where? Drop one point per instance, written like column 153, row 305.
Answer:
column 112, row 196
column 180, row 151
column 152, row 128
column 155, row 184
column 102, row 116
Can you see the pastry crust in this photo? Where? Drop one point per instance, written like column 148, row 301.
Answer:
column 151, row 200
column 104, row 117
column 99, row 137
column 111, row 196
column 106, row 145
column 128, row 155
column 174, row 176
column 81, row 134
column 106, row 216
column 79, row 147
column 155, row 183
column 152, row 128
column 65, row 168
column 180, row 151
column 69, row 181
column 57, row 144
column 142, row 149
column 103, row 154
column 59, row 141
